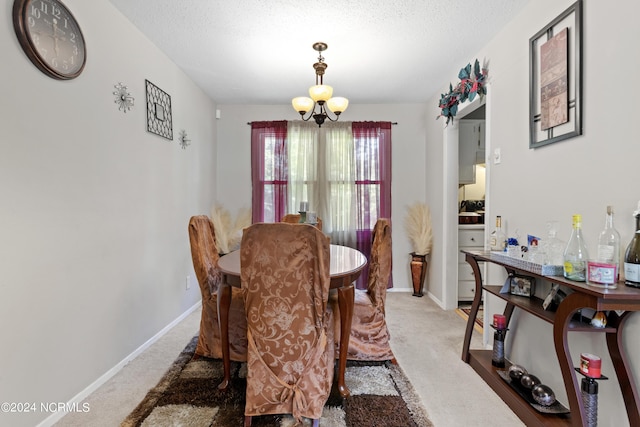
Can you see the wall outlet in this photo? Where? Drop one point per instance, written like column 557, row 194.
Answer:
column 188, row 282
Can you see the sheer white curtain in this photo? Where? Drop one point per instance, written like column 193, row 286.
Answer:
column 322, row 171
column 302, row 143
column 336, row 183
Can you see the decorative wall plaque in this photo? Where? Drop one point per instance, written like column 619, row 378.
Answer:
column 159, row 119
column 555, row 79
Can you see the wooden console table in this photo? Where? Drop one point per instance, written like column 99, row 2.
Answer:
column 583, row 296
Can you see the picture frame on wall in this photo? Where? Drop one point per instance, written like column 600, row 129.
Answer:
column 555, row 79
column 159, row 119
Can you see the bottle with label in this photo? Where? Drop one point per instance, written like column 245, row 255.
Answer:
column 498, row 239
column 632, row 256
column 605, row 270
column 575, row 255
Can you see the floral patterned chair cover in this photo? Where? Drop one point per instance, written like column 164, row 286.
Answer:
column 285, row 281
column 205, row 263
column 369, row 339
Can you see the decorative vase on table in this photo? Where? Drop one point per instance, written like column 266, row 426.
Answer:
column 419, row 266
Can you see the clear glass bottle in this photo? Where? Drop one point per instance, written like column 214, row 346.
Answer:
column 498, row 238
column 632, row 256
column 608, row 254
column 575, row 255
column 552, row 246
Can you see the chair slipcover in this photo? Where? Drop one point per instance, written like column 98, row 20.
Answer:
column 295, row 219
column 369, row 339
column 285, row 282
column 205, row 263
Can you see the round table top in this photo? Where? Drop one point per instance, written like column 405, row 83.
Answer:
column 344, row 261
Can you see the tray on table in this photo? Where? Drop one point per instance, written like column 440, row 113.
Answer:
column 555, row 408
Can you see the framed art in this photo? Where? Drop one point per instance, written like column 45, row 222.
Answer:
column 159, row 119
column 555, row 79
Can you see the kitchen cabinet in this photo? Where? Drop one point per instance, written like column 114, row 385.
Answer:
column 471, row 149
column 470, row 237
column 623, row 299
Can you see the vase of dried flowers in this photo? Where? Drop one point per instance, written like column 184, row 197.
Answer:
column 228, row 232
column 418, row 227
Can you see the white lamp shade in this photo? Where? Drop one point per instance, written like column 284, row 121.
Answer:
column 338, row 104
column 320, row 92
column 302, row 104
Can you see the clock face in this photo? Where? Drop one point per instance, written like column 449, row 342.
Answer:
column 50, row 36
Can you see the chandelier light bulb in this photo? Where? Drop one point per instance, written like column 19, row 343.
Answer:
column 320, row 92
column 302, row 104
column 338, row 104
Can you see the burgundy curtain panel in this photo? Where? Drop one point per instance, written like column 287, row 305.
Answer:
column 269, row 175
column 372, row 144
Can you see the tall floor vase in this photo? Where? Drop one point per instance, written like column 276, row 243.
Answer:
column 418, row 273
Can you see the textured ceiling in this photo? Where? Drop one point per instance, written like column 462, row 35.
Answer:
column 380, row 51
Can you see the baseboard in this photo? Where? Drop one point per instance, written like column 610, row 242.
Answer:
column 77, row 400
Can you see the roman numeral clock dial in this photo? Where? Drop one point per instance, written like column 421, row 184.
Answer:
column 50, row 36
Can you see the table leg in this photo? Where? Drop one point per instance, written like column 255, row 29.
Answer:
column 475, row 306
column 623, row 370
column 564, row 313
column 224, row 303
column 346, row 297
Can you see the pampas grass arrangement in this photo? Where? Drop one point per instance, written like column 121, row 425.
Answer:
column 228, row 232
column 418, row 227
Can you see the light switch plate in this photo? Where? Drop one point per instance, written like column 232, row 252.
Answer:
column 497, row 157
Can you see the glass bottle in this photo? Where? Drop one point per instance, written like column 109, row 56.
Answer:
column 632, row 256
column 552, row 246
column 575, row 255
column 606, row 270
column 498, row 239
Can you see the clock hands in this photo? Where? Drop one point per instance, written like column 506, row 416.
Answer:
column 55, row 35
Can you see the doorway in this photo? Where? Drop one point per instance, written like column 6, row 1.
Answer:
column 476, row 110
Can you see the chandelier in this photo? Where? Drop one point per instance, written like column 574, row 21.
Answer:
column 320, row 95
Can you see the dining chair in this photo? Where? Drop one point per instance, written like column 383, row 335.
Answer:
column 284, row 272
column 295, row 219
column 205, row 256
column 369, row 339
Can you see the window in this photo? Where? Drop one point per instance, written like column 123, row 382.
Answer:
column 342, row 169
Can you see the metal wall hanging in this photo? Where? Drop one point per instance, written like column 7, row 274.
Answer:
column 159, row 119
column 555, row 79
column 184, row 142
column 123, row 98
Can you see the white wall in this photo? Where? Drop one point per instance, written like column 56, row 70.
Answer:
column 94, row 209
column 580, row 175
column 409, row 157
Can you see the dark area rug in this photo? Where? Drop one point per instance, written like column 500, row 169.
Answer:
column 187, row 395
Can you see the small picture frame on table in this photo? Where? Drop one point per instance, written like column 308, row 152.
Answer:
column 524, row 286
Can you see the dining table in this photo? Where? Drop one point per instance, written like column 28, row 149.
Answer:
column 345, row 266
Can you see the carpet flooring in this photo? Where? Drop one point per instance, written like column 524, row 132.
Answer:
column 381, row 396
column 464, row 313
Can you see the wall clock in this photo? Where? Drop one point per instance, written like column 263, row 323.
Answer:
column 50, row 36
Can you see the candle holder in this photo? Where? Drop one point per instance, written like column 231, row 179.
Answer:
column 497, row 358
column 589, row 388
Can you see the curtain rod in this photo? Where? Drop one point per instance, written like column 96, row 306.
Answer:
column 393, row 123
